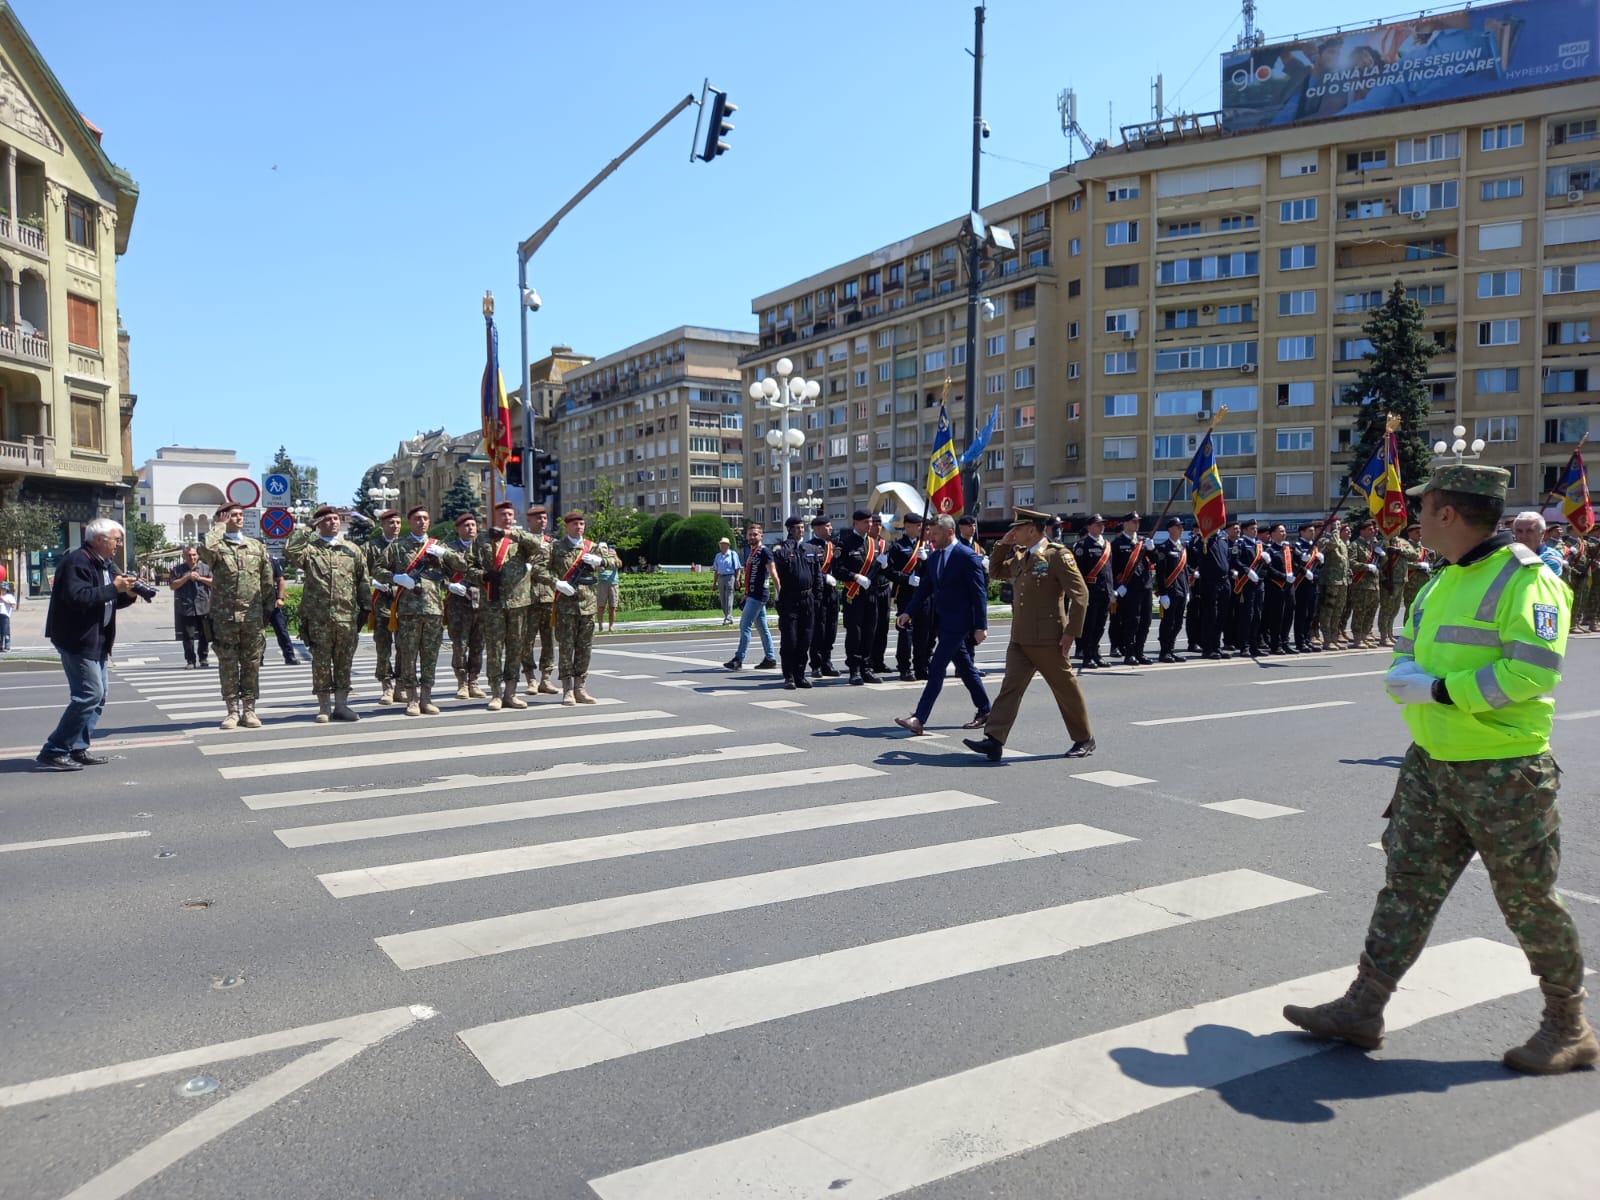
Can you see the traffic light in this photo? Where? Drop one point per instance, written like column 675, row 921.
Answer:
column 718, row 126
column 550, row 482
column 514, row 469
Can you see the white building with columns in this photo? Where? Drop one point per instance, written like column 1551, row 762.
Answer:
column 182, row 486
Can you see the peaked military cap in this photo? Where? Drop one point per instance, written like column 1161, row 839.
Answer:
column 1027, row 516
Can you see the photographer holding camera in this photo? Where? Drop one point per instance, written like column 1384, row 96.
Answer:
column 82, row 625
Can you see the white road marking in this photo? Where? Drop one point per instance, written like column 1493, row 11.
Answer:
column 776, row 704
column 81, row 839
column 833, row 718
column 450, row 753
column 1258, row 809
column 1115, row 779
column 453, row 783
column 566, row 1039
column 1248, row 712
column 1317, row 678
column 932, row 1131
column 1583, row 896
column 354, row 737
column 1579, row 716
column 396, row 876
column 105, row 744
column 1560, row 1164
column 544, row 927
column 552, row 806
column 688, row 662
column 55, row 706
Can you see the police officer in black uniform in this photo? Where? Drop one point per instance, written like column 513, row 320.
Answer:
column 1214, row 597
column 913, row 644
column 1307, row 560
column 883, row 592
column 1277, row 605
column 1093, row 555
column 799, row 578
column 862, row 557
column 825, row 632
column 1170, row 571
column 1248, row 555
column 1130, row 567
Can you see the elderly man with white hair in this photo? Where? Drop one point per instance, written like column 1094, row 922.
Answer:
column 1528, row 528
column 82, row 625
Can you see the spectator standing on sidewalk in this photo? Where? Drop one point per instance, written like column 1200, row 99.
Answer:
column 8, row 605
column 726, row 567
column 278, row 620
column 191, row 608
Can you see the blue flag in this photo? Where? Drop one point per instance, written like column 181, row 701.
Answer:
column 970, row 454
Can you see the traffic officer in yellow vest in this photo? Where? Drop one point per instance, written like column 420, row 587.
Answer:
column 1474, row 672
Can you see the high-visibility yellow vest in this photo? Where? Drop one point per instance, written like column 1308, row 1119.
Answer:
column 1495, row 631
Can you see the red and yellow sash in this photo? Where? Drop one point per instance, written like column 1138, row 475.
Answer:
column 874, row 548
column 1105, row 557
column 1133, row 561
column 394, row 599
column 1183, row 561
column 1244, row 578
column 1288, row 567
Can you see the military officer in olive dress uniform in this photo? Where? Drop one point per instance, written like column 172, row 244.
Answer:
column 575, row 563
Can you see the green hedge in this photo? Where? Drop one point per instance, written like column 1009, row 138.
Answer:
column 291, row 605
column 645, row 591
column 691, row 600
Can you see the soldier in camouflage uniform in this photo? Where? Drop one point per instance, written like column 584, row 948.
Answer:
column 509, row 561
column 1589, row 618
column 420, row 567
column 336, row 582
column 1333, row 585
column 1579, row 573
column 1392, row 578
column 1419, row 570
column 463, row 616
column 541, row 623
column 1474, row 673
column 242, row 594
column 575, row 562
column 382, row 602
column 1367, row 557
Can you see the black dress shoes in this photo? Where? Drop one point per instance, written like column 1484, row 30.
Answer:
column 855, row 679
column 868, row 677
column 86, row 759
column 58, row 762
column 985, row 746
column 828, row 672
column 802, row 682
column 1080, row 749
column 789, row 685
column 733, row 664
column 766, row 664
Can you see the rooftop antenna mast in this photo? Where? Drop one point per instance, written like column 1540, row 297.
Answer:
column 1250, row 37
column 1067, row 103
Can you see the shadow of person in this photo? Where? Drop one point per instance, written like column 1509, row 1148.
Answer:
column 1296, row 1076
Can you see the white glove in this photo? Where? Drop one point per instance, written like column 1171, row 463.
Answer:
column 602, row 546
column 923, row 553
column 863, row 581
column 435, row 550
column 1149, row 544
column 915, row 580
column 1254, row 578
column 1378, row 554
column 457, row 589
column 882, row 560
column 565, row 588
column 1425, row 566
column 594, row 560
column 405, row 581
column 1409, row 683
column 830, row 581
column 382, row 587
column 1122, row 589
column 1165, row 602
column 1310, row 578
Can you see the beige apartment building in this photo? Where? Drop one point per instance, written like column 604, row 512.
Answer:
column 1187, row 270
column 425, row 467
column 663, row 420
column 65, row 214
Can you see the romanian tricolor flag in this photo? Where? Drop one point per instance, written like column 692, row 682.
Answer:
column 495, row 409
column 944, row 473
column 1390, row 493
column 1573, row 488
column 1205, row 490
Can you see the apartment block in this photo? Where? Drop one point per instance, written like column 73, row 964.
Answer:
column 425, row 468
column 663, row 420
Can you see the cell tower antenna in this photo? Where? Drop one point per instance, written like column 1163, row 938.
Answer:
column 1067, row 104
column 1249, row 37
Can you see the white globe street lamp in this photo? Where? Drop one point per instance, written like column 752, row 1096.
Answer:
column 383, row 495
column 1459, row 445
column 787, row 395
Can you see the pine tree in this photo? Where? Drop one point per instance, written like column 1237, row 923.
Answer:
column 461, row 497
column 362, row 502
column 1394, row 381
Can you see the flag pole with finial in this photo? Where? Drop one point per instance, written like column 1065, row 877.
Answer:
column 488, row 318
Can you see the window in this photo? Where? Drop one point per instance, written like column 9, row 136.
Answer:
column 1296, row 304
column 933, row 360
column 1372, row 206
column 1023, row 338
column 1022, row 377
column 1291, row 441
column 1294, row 349
column 1161, row 490
column 1212, row 357
column 1074, row 247
column 80, row 222
column 958, row 355
column 1499, row 283
column 1495, row 429
column 1424, row 197
column 1577, row 277
column 1173, row 445
column 1180, row 318
column 1074, row 203
column 1575, row 227
column 1218, row 178
column 1425, row 294
column 1302, row 163
column 1074, row 288
column 1566, row 381
column 1500, row 235
column 1025, row 417
column 1294, row 483
column 1297, row 258
column 1239, row 487
column 1122, row 233
column 1418, row 251
column 861, row 378
column 1072, row 331
column 1177, row 229
column 885, row 339
column 1122, row 362
column 1074, row 370
column 1235, row 314
column 1565, row 430
column 1297, row 395
column 838, row 447
column 1427, row 149
column 1118, row 491
column 1500, row 189
column 994, row 345
column 1354, row 348
column 1124, row 276
column 1120, row 447
column 88, row 427
column 1233, row 444
column 1502, row 137
column 1571, row 177
column 1124, row 404
column 1367, row 160
column 994, row 385
column 1290, row 211
column 1566, row 333
column 1121, row 189
column 1122, row 320
column 885, row 372
column 1075, row 411
column 1024, row 298
column 1235, row 223
column 1178, row 404
column 1500, row 333
column 1574, row 131
column 1209, row 267
column 905, row 367
column 1498, row 380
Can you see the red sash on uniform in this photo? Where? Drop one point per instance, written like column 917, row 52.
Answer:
column 1239, row 584
column 394, row 601
column 1133, row 561
column 1183, row 561
column 500, row 554
column 1288, row 567
column 1105, row 557
column 874, row 548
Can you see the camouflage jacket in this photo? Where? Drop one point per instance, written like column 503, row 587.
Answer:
column 1396, row 569
column 242, row 588
column 520, row 571
column 1335, row 560
column 1363, row 551
column 1416, row 573
column 430, row 574
column 335, row 577
column 566, row 563
column 544, row 583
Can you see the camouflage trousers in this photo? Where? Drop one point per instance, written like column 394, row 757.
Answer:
column 333, row 645
column 543, row 632
column 575, row 632
column 1389, row 601
column 416, row 648
column 238, row 646
column 1332, row 600
column 505, row 644
column 383, row 644
column 1505, row 810
column 466, row 636
column 1363, row 611
column 1591, row 607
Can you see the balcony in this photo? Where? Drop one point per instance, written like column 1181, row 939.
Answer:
column 29, row 347
column 22, row 235
column 32, row 454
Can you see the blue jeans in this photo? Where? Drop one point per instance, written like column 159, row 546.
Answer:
column 755, row 613
column 948, row 649
column 87, row 679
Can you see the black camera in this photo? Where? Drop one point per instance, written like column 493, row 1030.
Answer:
column 144, row 591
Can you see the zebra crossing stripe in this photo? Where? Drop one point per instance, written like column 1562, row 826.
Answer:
column 300, row 766
column 552, row 806
column 483, row 864
column 1560, row 1164
column 932, row 1131
column 456, row 783
column 363, row 737
column 547, row 926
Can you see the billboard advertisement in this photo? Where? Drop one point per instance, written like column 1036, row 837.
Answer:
column 1421, row 60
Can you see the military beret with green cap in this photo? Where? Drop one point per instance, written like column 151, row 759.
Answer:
column 1464, row 477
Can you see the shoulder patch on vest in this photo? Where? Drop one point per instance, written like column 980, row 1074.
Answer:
column 1526, row 557
column 1546, row 621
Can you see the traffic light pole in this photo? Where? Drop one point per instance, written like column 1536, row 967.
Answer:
column 969, row 424
column 525, row 251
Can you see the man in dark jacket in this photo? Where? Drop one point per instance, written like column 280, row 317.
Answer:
column 191, row 607
column 82, row 625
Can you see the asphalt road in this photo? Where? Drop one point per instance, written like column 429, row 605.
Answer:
column 715, row 939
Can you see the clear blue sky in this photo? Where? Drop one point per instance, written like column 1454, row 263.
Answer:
column 328, row 186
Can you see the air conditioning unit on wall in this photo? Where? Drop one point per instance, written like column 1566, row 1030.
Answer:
column 1417, row 214
column 1575, row 195
column 1247, row 368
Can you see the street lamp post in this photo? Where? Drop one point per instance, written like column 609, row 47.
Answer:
column 809, row 503
column 383, row 494
column 790, row 396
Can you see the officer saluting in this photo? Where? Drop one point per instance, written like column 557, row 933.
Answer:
column 799, row 568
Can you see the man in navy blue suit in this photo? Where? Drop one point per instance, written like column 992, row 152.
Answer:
column 952, row 590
